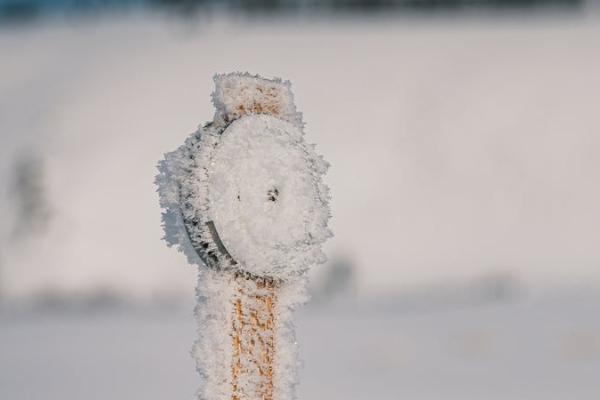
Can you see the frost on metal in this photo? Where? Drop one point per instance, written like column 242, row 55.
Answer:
column 237, row 95
column 243, row 198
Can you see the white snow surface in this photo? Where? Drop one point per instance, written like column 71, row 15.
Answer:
column 459, row 146
column 547, row 349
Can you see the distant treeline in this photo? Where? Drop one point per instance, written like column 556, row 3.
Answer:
column 28, row 9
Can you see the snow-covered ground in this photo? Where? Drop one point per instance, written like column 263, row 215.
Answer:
column 458, row 146
column 520, row 350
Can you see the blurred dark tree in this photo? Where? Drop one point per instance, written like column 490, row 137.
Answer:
column 23, row 10
column 182, row 7
column 336, row 280
column 28, row 195
column 19, row 10
column 262, row 5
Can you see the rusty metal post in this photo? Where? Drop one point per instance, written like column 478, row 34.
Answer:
column 253, row 338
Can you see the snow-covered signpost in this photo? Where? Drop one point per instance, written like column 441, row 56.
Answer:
column 244, row 199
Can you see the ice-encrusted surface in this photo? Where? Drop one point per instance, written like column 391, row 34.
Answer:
column 213, row 350
column 244, row 195
column 266, row 196
column 239, row 94
column 255, row 178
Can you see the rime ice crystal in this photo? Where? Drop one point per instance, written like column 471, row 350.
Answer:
column 244, row 199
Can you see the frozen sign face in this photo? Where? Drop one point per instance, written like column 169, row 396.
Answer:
column 247, row 186
column 265, row 196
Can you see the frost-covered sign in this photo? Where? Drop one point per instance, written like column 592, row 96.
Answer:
column 244, row 199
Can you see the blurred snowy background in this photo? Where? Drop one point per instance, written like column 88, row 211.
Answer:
column 464, row 140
